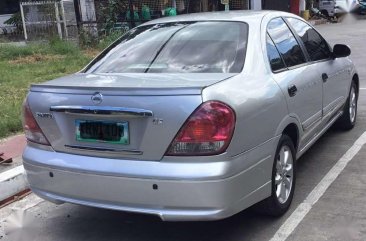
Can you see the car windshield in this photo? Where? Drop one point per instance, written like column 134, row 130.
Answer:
column 180, row 47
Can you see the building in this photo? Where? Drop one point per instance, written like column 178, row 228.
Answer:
column 95, row 15
column 90, row 9
column 157, row 7
column 293, row 6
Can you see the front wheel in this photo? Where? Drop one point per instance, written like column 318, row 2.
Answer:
column 324, row 12
column 283, row 179
column 348, row 120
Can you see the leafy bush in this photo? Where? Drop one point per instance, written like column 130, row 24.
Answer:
column 109, row 39
column 16, row 20
column 87, row 39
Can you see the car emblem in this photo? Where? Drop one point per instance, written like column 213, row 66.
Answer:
column 97, row 98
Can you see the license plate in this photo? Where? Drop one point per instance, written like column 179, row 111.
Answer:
column 102, row 131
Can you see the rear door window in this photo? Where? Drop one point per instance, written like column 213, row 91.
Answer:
column 274, row 57
column 314, row 43
column 286, row 42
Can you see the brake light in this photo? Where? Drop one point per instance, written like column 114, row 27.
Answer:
column 208, row 131
column 32, row 131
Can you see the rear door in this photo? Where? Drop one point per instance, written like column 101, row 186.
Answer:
column 333, row 72
column 299, row 82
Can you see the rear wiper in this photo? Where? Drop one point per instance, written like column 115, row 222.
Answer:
column 162, row 47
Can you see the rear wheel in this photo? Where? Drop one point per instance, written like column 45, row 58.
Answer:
column 283, row 179
column 348, row 120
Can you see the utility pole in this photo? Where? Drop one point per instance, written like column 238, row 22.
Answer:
column 132, row 14
column 77, row 13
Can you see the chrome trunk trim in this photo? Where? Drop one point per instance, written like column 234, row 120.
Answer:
column 102, row 110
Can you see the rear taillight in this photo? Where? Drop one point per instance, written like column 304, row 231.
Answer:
column 31, row 129
column 208, row 131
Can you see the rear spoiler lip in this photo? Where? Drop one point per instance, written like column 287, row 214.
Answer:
column 108, row 91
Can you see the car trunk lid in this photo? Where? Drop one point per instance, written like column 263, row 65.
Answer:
column 149, row 115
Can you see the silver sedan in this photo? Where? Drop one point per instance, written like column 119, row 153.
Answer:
column 194, row 117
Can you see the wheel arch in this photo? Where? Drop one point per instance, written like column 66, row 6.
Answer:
column 292, row 131
column 356, row 80
column 291, row 127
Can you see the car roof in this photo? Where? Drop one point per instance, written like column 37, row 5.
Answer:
column 236, row 15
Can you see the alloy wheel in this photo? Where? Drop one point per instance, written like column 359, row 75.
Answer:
column 284, row 174
column 352, row 105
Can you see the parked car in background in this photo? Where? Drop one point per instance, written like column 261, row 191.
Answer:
column 7, row 9
column 3, row 26
column 193, row 117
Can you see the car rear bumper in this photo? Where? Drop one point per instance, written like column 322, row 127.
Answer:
column 183, row 199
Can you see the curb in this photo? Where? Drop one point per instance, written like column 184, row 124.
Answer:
column 318, row 22
column 12, row 182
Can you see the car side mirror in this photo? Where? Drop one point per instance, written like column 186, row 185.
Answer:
column 341, row 51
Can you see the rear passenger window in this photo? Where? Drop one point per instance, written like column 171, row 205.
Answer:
column 285, row 42
column 315, row 45
column 274, row 56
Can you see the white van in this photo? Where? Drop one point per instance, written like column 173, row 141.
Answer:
column 334, row 7
column 3, row 18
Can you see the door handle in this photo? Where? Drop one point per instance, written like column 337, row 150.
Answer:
column 325, row 77
column 292, row 90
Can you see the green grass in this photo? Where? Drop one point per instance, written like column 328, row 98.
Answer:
column 22, row 66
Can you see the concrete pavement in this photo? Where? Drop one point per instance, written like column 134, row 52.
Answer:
column 12, row 177
column 12, row 147
column 341, row 213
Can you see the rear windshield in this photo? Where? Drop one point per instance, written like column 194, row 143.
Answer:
column 181, row 47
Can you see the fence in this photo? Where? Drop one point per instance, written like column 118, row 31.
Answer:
column 119, row 11
column 71, row 20
column 45, row 19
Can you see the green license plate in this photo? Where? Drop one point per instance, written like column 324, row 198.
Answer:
column 102, row 131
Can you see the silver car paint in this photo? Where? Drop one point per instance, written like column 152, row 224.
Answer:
column 195, row 188
column 146, row 137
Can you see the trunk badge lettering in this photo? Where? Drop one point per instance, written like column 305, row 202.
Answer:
column 44, row 115
column 157, row 121
column 97, row 98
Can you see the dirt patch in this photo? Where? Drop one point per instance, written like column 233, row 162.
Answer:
column 92, row 53
column 31, row 59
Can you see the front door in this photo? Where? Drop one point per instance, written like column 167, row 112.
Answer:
column 335, row 74
column 332, row 72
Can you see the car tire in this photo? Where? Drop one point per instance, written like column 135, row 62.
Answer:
column 348, row 120
column 325, row 13
column 279, row 202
